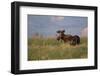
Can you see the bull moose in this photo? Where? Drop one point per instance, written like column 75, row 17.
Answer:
column 73, row 40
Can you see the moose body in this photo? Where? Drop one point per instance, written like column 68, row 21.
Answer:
column 73, row 40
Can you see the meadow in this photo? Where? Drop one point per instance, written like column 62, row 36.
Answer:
column 51, row 49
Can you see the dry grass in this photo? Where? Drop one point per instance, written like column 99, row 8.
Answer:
column 49, row 48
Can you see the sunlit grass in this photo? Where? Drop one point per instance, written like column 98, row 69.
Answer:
column 49, row 48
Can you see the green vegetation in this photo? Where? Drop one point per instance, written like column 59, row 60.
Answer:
column 50, row 49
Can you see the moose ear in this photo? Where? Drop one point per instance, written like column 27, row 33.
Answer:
column 63, row 31
column 58, row 31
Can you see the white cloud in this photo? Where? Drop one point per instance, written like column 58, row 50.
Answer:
column 84, row 32
column 57, row 18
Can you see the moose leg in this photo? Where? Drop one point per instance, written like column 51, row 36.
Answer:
column 78, row 39
column 73, row 41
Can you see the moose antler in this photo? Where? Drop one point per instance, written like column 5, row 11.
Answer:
column 58, row 31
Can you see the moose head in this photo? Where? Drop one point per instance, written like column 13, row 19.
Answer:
column 60, row 34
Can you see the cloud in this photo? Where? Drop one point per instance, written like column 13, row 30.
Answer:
column 57, row 18
column 84, row 32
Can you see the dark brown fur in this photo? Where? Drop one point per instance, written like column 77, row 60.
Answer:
column 68, row 38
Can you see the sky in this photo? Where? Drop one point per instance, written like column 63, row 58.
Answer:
column 47, row 25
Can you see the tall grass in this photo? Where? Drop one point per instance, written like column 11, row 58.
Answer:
column 50, row 48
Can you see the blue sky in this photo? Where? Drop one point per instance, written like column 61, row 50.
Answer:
column 47, row 25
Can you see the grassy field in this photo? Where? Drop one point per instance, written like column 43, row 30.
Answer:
column 50, row 49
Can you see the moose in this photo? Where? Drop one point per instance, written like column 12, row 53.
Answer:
column 73, row 40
